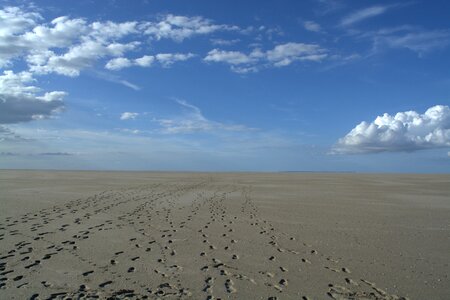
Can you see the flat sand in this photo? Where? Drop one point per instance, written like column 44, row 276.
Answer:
column 139, row 235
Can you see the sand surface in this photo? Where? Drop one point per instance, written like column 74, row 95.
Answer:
column 125, row 235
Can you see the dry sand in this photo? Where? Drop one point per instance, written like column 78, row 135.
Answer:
column 85, row 235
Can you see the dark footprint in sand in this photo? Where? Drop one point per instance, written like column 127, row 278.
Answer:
column 87, row 273
column 102, row 285
column 37, row 262
column 17, row 278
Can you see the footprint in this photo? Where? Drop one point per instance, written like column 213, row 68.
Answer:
column 87, row 273
column 350, row 281
column 17, row 278
column 283, row 282
column 229, row 286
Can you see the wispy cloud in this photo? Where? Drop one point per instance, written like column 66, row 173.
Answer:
column 193, row 120
column 363, row 14
column 328, row 6
column 56, row 154
column 312, row 26
column 224, row 42
column 414, row 38
column 419, row 41
column 114, row 78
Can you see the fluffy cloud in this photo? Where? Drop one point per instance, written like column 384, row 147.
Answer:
column 14, row 21
column 67, row 46
column 179, row 28
column 280, row 56
column 165, row 59
column 129, row 116
column 231, row 57
column 20, row 102
column 406, row 131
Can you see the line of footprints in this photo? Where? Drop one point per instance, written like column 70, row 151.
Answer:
column 235, row 249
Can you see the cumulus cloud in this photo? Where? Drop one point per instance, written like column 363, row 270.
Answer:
column 405, row 131
column 129, row 116
column 232, row 57
column 363, row 14
column 67, row 46
column 20, row 101
column 280, row 56
column 14, row 21
column 165, row 59
column 179, row 28
column 64, row 46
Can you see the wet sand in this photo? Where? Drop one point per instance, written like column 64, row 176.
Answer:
column 142, row 235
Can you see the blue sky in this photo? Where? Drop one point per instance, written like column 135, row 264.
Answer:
column 318, row 85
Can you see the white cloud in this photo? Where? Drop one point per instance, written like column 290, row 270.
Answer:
column 64, row 46
column 194, row 121
column 283, row 55
column 79, row 57
column 129, row 116
column 280, row 56
column 14, row 21
column 165, row 59
column 406, row 131
column 67, row 45
column 144, row 61
column 20, row 102
column 363, row 14
column 118, row 63
column 179, row 28
column 230, row 57
column 312, row 26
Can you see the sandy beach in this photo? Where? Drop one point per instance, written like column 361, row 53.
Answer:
column 155, row 235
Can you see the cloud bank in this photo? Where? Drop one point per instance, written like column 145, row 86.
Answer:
column 405, row 131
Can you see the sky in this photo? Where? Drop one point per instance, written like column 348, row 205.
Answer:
column 314, row 85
